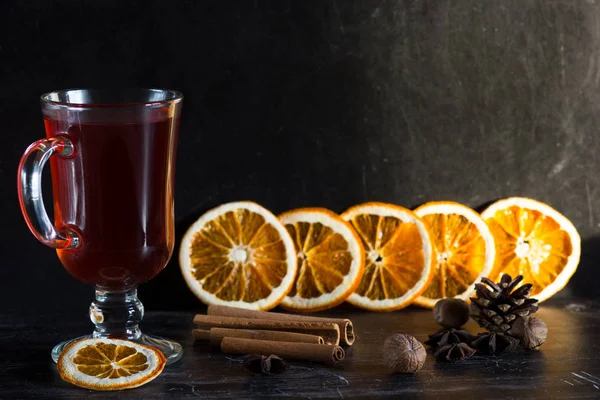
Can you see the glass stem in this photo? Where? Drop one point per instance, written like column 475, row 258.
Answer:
column 117, row 314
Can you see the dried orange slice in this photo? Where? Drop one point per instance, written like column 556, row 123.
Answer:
column 331, row 259
column 533, row 240
column 109, row 364
column 399, row 256
column 464, row 250
column 240, row 255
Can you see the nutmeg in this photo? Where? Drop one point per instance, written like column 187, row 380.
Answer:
column 403, row 353
column 451, row 313
column 532, row 332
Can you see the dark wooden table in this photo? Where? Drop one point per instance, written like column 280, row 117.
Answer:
column 567, row 366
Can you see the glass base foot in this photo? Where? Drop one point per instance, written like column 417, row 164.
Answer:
column 170, row 349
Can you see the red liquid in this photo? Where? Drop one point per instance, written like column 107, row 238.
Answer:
column 117, row 191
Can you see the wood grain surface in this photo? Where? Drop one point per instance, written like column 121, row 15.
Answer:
column 567, row 366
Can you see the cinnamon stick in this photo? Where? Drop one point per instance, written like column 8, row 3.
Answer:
column 330, row 332
column 216, row 335
column 289, row 350
column 345, row 325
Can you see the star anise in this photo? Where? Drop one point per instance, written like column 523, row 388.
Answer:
column 271, row 365
column 454, row 352
column 451, row 344
column 449, row 336
column 494, row 343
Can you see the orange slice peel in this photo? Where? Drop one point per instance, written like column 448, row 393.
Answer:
column 464, row 250
column 240, row 255
column 109, row 364
column 330, row 259
column 533, row 240
column 398, row 256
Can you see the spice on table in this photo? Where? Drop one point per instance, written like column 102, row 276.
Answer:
column 403, row 353
column 243, row 332
column 454, row 352
column 451, row 313
column 451, row 345
column 216, row 335
column 265, row 365
column 532, row 332
column 497, row 306
column 492, row 343
column 329, row 331
column 289, row 350
column 345, row 325
column 501, row 308
column 449, row 336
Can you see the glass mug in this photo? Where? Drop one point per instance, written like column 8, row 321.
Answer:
column 112, row 160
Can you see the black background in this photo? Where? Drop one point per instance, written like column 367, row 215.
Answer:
column 317, row 103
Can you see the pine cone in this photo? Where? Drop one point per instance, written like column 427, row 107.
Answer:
column 454, row 352
column 494, row 343
column 449, row 336
column 495, row 310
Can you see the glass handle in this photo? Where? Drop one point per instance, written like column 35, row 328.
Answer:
column 29, row 186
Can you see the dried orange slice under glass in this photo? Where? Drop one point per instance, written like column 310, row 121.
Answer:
column 109, row 364
column 464, row 250
column 398, row 256
column 240, row 255
column 330, row 255
column 533, row 240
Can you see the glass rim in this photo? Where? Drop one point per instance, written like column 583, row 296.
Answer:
column 176, row 97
